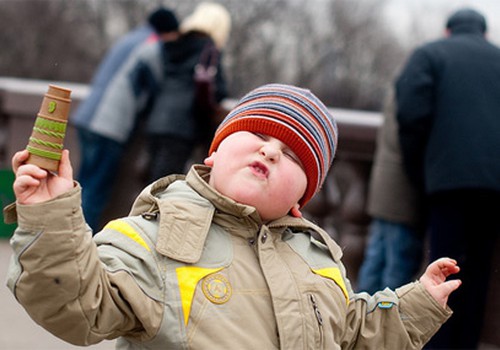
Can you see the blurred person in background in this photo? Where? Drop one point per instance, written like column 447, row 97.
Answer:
column 448, row 110
column 394, row 251
column 106, row 119
column 176, row 124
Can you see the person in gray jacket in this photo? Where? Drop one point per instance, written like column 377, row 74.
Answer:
column 106, row 118
column 218, row 259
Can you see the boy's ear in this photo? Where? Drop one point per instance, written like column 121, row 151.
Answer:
column 209, row 161
column 295, row 212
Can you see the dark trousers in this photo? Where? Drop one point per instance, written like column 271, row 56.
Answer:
column 464, row 225
column 100, row 158
column 168, row 155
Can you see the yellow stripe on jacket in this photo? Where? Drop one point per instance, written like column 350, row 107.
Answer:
column 127, row 230
column 334, row 274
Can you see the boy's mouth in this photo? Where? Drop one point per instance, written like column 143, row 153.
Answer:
column 259, row 169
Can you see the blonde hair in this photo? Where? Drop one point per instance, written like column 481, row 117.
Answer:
column 212, row 19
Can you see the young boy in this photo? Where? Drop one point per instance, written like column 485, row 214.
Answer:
column 218, row 259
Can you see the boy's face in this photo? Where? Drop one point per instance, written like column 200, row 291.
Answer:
column 260, row 171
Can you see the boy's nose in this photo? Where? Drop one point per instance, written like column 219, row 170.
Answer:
column 270, row 152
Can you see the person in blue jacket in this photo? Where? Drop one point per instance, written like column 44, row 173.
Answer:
column 103, row 129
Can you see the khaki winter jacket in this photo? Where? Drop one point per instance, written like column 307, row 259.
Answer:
column 191, row 269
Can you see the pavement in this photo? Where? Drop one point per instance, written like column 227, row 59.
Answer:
column 17, row 330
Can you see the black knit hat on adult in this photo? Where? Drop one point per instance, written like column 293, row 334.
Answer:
column 163, row 20
column 466, row 21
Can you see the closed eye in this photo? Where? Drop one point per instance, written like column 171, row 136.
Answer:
column 287, row 152
column 291, row 155
column 261, row 136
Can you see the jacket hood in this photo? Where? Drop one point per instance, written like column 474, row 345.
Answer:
column 186, row 50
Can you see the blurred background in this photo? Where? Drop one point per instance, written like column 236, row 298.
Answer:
column 347, row 52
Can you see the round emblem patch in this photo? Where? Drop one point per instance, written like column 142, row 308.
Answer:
column 217, row 288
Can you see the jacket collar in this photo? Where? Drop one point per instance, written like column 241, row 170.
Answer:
column 186, row 207
column 204, row 205
column 198, row 177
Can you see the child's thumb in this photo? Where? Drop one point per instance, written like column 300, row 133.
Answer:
column 449, row 286
column 65, row 168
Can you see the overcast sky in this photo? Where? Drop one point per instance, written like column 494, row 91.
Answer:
column 432, row 14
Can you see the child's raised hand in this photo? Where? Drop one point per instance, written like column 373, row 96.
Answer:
column 434, row 279
column 36, row 185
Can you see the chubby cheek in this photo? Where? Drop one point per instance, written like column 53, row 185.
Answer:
column 300, row 180
column 292, row 188
column 283, row 200
column 291, row 193
column 221, row 170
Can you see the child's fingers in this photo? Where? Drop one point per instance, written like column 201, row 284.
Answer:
column 24, row 182
column 65, row 168
column 443, row 262
column 451, row 270
column 31, row 170
column 447, row 266
column 18, row 159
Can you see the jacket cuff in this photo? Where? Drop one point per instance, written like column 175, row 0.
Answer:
column 420, row 310
column 56, row 213
column 10, row 214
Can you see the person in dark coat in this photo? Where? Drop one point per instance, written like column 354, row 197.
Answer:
column 448, row 110
column 394, row 250
column 174, row 127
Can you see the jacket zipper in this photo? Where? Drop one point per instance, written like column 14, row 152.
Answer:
column 319, row 319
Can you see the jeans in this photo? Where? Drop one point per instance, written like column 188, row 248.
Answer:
column 100, row 158
column 393, row 256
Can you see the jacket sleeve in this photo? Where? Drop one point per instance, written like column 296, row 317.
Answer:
column 415, row 107
column 58, row 275
column 404, row 319
column 145, row 70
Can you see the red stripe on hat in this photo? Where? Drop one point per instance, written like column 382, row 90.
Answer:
column 281, row 132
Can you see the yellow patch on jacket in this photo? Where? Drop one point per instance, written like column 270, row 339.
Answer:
column 127, row 230
column 334, row 274
column 188, row 277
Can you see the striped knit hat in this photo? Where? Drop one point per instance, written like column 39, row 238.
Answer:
column 294, row 116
